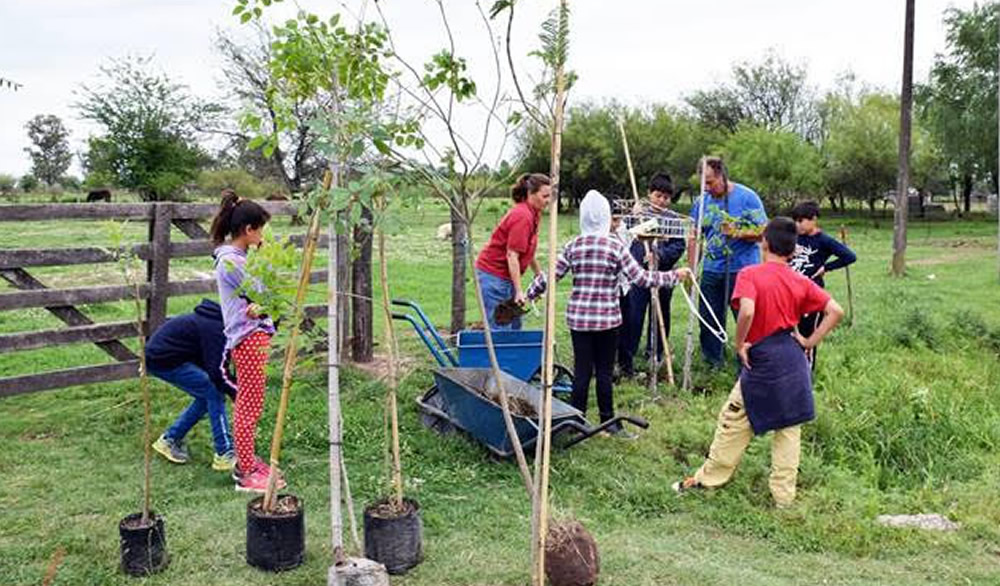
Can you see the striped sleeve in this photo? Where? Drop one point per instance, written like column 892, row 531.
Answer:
column 538, row 284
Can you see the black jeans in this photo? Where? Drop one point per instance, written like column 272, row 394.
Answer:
column 594, row 353
column 808, row 325
column 635, row 307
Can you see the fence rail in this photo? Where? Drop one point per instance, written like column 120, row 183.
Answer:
column 157, row 252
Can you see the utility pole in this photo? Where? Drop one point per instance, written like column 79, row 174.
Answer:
column 905, row 119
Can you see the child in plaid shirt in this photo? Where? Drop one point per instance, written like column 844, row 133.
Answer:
column 596, row 259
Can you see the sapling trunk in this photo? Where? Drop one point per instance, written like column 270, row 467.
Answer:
column 147, row 415
column 396, row 500
column 693, row 264
column 508, row 420
column 291, row 351
column 540, row 516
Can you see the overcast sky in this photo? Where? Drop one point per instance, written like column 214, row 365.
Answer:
column 633, row 51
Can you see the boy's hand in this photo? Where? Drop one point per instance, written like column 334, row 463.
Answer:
column 744, row 353
column 253, row 310
column 819, row 273
column 802, row 340
column 683, row 273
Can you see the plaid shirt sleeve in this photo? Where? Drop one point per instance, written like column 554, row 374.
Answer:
column 643, row 278
column 538, row 284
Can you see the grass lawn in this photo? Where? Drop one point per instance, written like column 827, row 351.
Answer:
column 908, row 404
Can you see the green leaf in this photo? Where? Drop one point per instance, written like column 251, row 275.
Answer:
column 245, row 17
column 239, row 8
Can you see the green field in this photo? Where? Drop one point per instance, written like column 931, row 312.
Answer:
column 908, row 404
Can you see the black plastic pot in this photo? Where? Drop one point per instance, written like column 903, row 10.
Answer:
column 276, row 541
column 394, row 541
column 143, row 549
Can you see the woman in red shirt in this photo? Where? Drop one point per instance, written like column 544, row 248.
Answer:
column 512, row 245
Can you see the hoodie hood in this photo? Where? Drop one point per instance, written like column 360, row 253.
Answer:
column 209, row 309
column 595, row 215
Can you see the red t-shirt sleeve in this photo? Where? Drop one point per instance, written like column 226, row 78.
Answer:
column 519, row 233
column 745, row 287
column 815, row 299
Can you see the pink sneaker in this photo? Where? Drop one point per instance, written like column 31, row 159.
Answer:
column 256, row 480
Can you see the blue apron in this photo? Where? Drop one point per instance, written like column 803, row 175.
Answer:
column 777, row 390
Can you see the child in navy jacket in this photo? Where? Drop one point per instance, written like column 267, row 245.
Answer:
column 812, row 259
column 186, row 352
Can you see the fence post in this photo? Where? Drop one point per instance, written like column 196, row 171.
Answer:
column 158, row 265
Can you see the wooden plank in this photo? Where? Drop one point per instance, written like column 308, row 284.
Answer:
column 197, row 211
column 78, row 211
column 199, row 286
column 191, row 228
column 107, row 211
column 158, row 266
column 21, row 279
column 47, row 257
column 205, row 248
column 72, row 335
column 84, row 375
column 75, row 296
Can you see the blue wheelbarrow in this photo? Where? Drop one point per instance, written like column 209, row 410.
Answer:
column 519, row 352
column 463, row 398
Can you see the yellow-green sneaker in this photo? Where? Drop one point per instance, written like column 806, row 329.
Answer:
column 171, row 449
column 224, row 462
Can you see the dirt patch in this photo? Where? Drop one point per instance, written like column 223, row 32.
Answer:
column 39, row 436
column 285, row 506
column 518, row 405
column 378, row 368
column 135, row 523
column 387, row 510
column 571, row 555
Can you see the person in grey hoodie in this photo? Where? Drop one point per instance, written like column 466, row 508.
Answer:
column 237, row 226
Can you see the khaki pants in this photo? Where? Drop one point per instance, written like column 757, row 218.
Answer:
column 732, row 435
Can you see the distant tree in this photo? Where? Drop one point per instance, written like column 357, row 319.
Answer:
column 28, row 183
column 960, row 99
column 779, row 165
column 660, row 139
column 149, row 127
column 7, row 184
column 771, row 93
column 253, row 85
column 50, row 154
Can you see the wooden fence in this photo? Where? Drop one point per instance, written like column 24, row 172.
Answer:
column 157, row 252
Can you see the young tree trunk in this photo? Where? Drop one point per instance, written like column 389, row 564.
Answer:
column 344, row 285
column 459, row 241
column 967, row 192
column 361, row 287
column 903, row 183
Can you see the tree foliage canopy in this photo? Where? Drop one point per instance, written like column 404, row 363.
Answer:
column 149, row 126
column 49, row 150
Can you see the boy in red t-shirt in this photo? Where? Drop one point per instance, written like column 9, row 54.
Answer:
column 774, row 390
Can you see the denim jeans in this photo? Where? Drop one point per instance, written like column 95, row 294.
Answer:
column 194, row 381
column 496, row 290
column 717, row 290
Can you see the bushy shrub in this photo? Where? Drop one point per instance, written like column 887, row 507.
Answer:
column 7, row 183
column 70, row 183
column 28, row 183
column 246, row 185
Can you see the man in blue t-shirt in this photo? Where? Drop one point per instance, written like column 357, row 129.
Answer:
column 732, row 221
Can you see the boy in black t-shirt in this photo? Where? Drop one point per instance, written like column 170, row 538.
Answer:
column 812, row 253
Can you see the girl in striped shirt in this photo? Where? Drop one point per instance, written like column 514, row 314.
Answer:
column 596, row 259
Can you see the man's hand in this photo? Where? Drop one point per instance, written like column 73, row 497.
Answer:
column 727, row 229
column 744, row 353
column 253, row 311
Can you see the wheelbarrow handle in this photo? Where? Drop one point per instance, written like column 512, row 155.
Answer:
column 586, row 433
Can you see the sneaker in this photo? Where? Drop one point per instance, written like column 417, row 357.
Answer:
column 687, row 485
column 256, row 480
column 224, row 462
column 171, row 449
column 618, row 431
